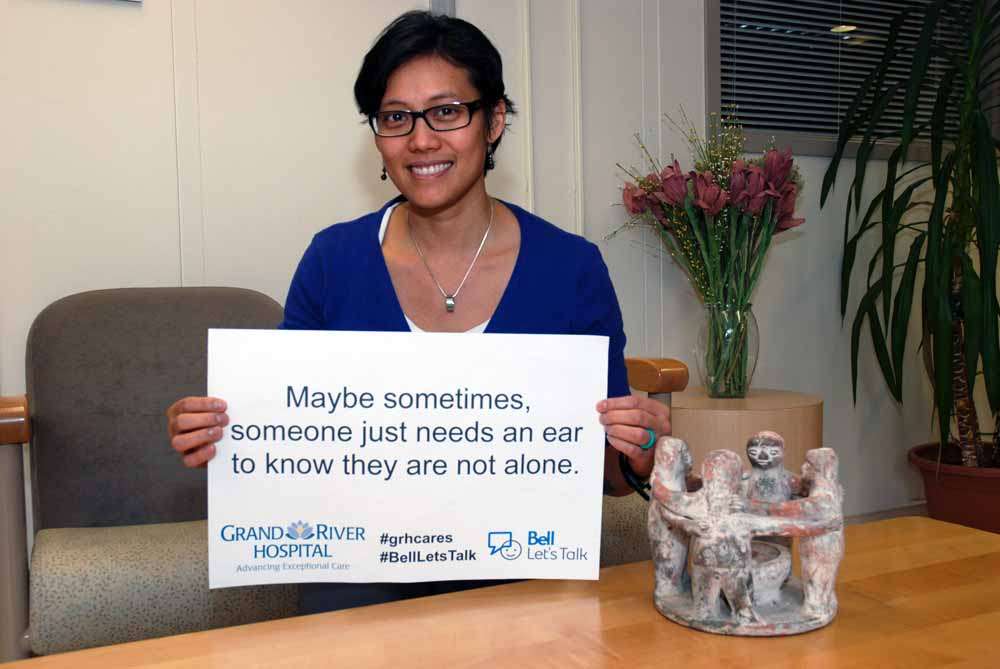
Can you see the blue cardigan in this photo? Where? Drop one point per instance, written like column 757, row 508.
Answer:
column 560, row 285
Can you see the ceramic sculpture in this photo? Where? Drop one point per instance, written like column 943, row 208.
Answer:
column 730, row 532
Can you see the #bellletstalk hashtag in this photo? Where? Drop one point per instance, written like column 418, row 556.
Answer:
column 417, row 557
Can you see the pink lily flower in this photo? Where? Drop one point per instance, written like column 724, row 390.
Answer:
column 778, row 167
column 786, row 209
column 757, row 191
column 634, row 199
column 709, row 195
column 673, row 186
column 738, row 194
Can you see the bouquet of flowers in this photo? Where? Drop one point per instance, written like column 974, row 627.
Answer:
column 717, row 222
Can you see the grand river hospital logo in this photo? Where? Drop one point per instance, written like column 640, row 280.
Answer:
column 504, row 544
column 299, row 530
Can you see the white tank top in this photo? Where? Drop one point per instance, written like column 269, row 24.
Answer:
column 413, row 326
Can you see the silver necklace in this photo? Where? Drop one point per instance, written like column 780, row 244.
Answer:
column 449, row 300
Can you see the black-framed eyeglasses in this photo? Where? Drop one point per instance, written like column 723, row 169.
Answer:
column 441, row 118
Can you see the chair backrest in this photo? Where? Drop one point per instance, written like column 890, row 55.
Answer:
column 102, row 367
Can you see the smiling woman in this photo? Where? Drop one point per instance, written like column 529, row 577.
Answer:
column 438, row 160
column 445, row 256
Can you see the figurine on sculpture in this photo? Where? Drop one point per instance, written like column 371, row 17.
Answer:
column 720, row 525
column 768, row 480
column 669, row 543
column 820, row 554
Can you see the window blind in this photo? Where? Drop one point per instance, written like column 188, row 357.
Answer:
column 784, row 68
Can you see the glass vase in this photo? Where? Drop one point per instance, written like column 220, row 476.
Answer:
column 727, row 349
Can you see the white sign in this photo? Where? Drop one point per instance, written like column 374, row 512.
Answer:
column 369, row 456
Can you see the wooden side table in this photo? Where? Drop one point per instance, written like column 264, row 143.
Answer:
column 707, row 424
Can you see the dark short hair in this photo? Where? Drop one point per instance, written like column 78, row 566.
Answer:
column 422, row 33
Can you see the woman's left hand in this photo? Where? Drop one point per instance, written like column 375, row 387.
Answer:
column 627, row 421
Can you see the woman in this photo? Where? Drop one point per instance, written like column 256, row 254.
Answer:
column 445, row 256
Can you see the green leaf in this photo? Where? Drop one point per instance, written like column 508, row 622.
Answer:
column 769, row 217
column 850, row 253
column 847, row 262
column 917, row 70
column 992, row 13
column 938, row 118
column 846, row 131
column 695, row 222
column 872, row 264
column 972, row 307
column 868, row 143
column 937, row 282
column 857, row 114
column 867, row 310
column 988, row 238
column 941, row 324
column 993, row 18
column 935, row 233
column 729, row 262
column 902, row 307
column 882, row 352
column 890, row 222
column 867, row 224
column 743, row 259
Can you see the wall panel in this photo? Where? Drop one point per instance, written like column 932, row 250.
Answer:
column 506, row 24
column 630, row 77
column 284, row 152
column 556, row 112
column 88, row 181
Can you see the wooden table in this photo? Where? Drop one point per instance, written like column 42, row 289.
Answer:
column 914, row 592
column 707, row 424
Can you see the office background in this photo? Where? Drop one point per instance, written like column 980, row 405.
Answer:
column 203, row 143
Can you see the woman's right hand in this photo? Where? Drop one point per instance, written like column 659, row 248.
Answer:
column 194, row 425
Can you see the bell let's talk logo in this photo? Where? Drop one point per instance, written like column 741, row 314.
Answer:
column 541, row 546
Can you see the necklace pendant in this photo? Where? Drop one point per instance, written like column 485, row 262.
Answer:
column 449, row 303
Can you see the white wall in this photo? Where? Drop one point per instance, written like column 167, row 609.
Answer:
column 805, row 346
column 188, row 143
column 89, row 180
column 611, row 70
column 506, row 25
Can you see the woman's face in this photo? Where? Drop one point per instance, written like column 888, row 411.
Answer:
column 435, row 170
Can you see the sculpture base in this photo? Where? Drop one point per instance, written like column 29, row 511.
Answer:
column 781, row 617
column 710, row 572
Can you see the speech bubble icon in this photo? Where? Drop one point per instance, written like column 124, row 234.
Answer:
column 498, row 540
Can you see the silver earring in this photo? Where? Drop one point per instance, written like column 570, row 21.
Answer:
column 384, row 175
column 490, row 163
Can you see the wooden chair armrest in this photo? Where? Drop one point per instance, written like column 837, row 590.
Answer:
column 15, row 421
column 657, row 375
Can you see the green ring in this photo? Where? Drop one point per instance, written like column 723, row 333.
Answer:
column 652, row 440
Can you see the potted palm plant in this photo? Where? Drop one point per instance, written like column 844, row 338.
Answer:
column 939, row 213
